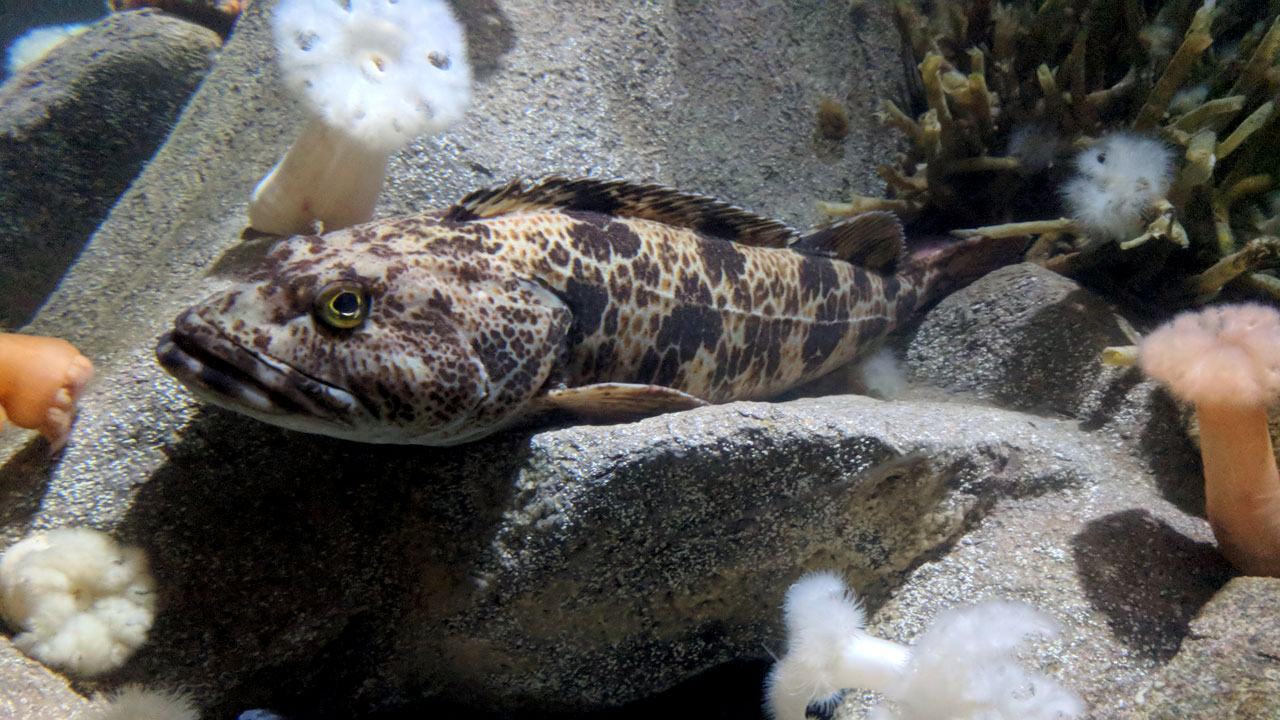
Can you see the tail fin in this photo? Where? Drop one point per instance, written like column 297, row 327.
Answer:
column 947, row 265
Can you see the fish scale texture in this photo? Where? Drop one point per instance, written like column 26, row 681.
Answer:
column 477, row 324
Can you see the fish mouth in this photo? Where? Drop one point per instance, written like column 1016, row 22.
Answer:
column 224, row 372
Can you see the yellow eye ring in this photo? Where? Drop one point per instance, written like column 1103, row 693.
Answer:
column 342, row 304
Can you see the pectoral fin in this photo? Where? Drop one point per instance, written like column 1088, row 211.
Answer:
column 618, row 401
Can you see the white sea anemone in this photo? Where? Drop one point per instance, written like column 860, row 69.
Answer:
column 962, row 668
column 374, row 76
column 827, row 649
column 37, row 42
column 82, row 602
column 882, row 375
column 134, row 702
column 1116, row 181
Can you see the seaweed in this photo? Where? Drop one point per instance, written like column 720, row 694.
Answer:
column 1006, row 93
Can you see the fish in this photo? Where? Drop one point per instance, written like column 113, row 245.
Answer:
column 603, row 299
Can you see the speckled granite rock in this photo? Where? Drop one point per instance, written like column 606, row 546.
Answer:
column 75, row 129
column 30, row 691
column 1028, row 339
column 589, row 566
column 1229, row 664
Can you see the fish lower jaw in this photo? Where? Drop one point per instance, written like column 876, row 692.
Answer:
column 237, row 379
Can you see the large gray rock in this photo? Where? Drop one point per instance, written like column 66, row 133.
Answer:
column 1028, row 339
column 589, row 566
column 575, row 568
column 583, row 567
column 1229, row 661
column 75, row 129
column 30, row 691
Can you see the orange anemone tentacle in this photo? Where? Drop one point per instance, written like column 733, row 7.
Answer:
column 1242, row 485
column 41, row 379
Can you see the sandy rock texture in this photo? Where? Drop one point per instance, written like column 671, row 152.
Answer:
column 1229, row 664
column 587, row 567
column 75, row 129
column 30, row 691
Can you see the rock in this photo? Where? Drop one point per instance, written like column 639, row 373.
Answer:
column 29, row 691
column 75, row 129
column 1229, row 664
column 1025, row 338
column 586, row 567
column 217, row 15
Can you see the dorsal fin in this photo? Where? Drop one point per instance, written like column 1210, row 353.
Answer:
column 873, row 240
column 630, row 200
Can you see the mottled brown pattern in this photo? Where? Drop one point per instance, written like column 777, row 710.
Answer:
column 473, row 320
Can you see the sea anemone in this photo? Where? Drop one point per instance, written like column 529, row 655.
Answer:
column 82, row 602
column 1178, row 97
column 41, row 378
column 1226, row 361
column 1116, row 181
column 373, row 76
column 135, row 702
column 37, row 42
column 827, row 649
column 962, row 667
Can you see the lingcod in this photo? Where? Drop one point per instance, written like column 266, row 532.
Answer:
column 602, row 299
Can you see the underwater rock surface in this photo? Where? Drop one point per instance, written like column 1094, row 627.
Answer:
column 1228, row 662
column 1029, row 340
column 582, row 567
column 75, row 129
column 30, row 691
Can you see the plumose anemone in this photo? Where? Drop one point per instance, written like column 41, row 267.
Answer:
column 374, row 76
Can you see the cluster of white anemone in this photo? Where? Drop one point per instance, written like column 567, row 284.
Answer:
column 80, row 601
column 961, row 668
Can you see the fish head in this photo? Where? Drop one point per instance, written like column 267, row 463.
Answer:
column 363, row 337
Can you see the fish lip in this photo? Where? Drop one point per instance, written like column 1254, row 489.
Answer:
column 223, row 371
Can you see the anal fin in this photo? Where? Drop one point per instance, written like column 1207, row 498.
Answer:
column 618, row 401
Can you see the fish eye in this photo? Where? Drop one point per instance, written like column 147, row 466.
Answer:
column 1102, row 157
column 342, row 305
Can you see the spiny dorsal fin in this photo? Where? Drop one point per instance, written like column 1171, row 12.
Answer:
column 624, row 199
column 873, row 240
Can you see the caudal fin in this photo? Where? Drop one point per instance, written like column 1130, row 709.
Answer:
column 948, row 265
